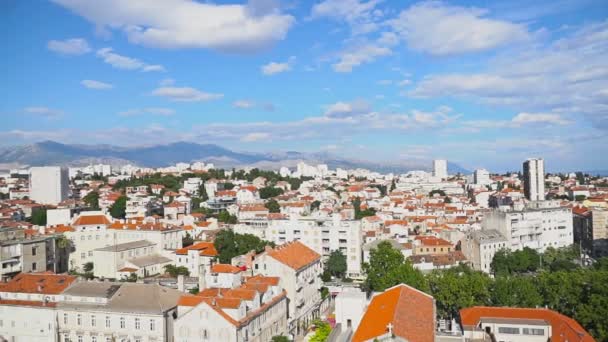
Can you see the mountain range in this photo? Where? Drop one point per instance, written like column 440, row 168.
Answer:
column 55, row 153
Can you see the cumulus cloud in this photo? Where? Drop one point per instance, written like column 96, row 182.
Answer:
column 565, row 76
column 185, row 94
column 543, row 118
column 362, row 16
column 92, row 84
column 440, row 29
column 348, row 109
column 189, row 23
column 126, row 63
column 359, row 54
column 74, row 46
column 276, row 67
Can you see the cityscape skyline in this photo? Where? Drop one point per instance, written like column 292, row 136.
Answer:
column 533, row 84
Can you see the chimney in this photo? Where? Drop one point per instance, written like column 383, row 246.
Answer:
column 180, row 283
column 202, row 282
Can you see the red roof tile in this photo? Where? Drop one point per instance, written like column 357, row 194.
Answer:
column 294, row 254
column 45, row 283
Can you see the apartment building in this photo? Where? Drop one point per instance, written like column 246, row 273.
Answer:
column 323, row 235
column 480, row 246
column 299, row 269
column 538, row 226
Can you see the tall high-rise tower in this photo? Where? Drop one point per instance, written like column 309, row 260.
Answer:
column 440, row 168
column 49, row 184
column 534, row 179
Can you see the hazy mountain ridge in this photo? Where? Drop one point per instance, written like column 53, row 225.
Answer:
column 54, row 153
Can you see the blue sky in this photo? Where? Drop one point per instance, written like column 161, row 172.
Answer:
column 484, row 85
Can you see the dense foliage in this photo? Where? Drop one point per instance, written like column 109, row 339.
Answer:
column 359, row 214
column 92, row 200
column 322, row 331
column 336, row 264
column 119, row 208
column 269, row 192
column 225, row 217
column 39, row 217
column 228, row 245
column 174, row 271
column 561, row 285
column 273, row 206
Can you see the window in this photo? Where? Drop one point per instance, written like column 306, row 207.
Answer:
column 122, row 322
column 90, row 253
column 80, row 338
column 508, row 330
column 107, row 321
column 533, row 331
column 83, row 255
column 152, row 325
column 93, row 338
column 137, row 324
column 33, row 266
column 65, row 318
column 79, row 319
column 34, row 250
column 66, row 337
column 93, row 320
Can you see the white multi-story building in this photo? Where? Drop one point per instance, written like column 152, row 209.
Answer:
column 440, row 168
column 534, row 179
column 253, row 311
column 299, row 270
column 482, row 177
column 480, row 246
column 49, row 184
column 107, row 311
column 323, row 235
column 538, row 226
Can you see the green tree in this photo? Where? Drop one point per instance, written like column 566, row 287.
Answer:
column 88, row 267
column 39, row 217
column 458, row 288
column 187, row 240
column 225, row 217
column 269, row 192
column 92, row 200
column 315, row 205
column 439, row 192
column 118, row 209
column 322, row 331
column 273, row 206
column 359, row 214
column 174, row 271
column 280, row 338
column 580, row 198
column 336, row 264
column 515, row 291
column 387, row 267
column 228, row 245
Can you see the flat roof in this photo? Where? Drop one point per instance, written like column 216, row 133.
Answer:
column 126, row 246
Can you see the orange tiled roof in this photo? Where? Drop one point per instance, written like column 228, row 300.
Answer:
column 294, row 254
column 410, row 312
column 563, row 328
column 204, row 248
column 92, row 220
column 45, row 283
column 224, row 268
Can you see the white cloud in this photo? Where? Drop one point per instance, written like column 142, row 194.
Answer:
column 44, row 111
column 360, row 15
column 276, row 68
column 243, row 104
column 185, row 94
column 440, row 29
column 256, row 136
column 74, row 46
column 92, row 84
column 126, row 63
column 359, row 54
column 565, row 76
column 149, row 110
column 188, row 23
column 348, row 109
column 539, row 118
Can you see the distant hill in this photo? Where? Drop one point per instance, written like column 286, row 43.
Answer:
column 54, row 153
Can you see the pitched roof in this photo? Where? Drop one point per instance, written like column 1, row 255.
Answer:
column 294, row 254
column 45, row 283
column 204, row 248
column 410, row 312
column 224, row 268
column 563, row 328
column 100, row 219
